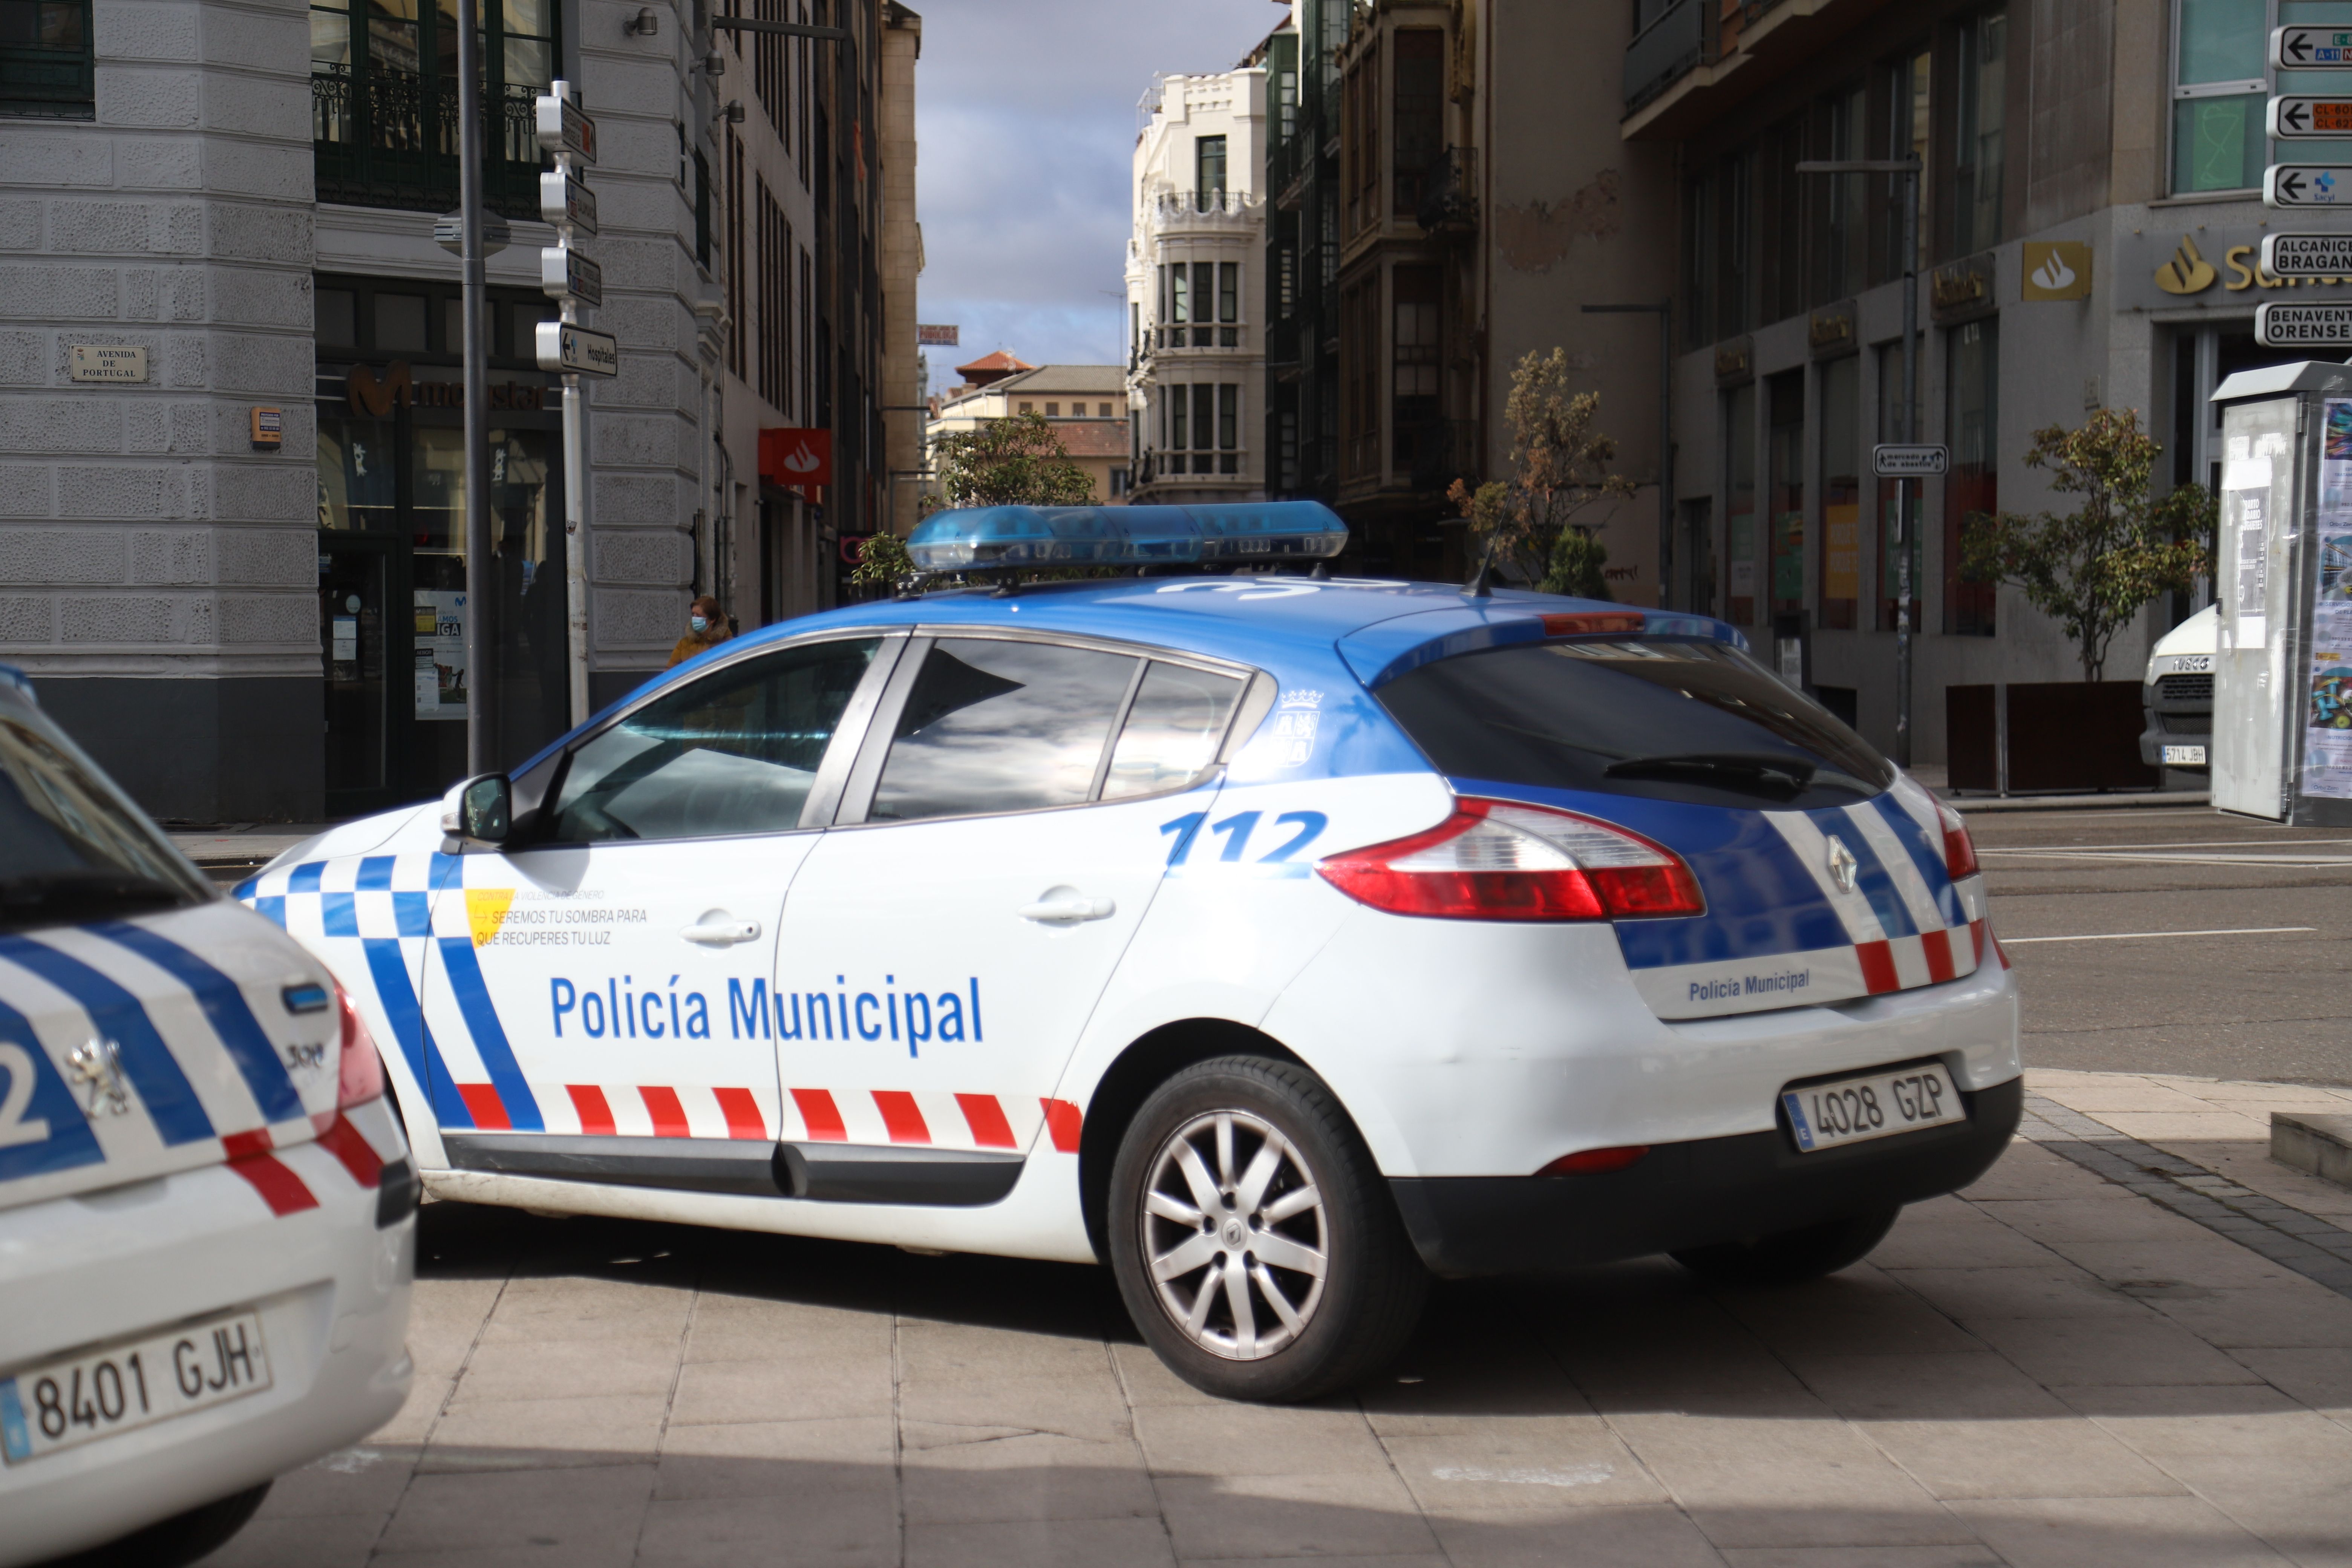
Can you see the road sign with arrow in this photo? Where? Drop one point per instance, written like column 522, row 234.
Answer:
column 2296, row 118
column 2307, row 185
column 2311, row 48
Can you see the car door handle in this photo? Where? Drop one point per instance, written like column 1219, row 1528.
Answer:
column 1061, row 907
column 718, row 930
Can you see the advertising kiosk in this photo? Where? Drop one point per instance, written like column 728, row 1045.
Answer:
column 2282, row 746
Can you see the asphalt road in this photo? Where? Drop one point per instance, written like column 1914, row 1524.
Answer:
column 2261, row 1002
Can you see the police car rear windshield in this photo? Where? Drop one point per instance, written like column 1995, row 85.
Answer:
column 72, row 849
column 1667, row 718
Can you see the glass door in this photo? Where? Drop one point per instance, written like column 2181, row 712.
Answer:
column 363, row 644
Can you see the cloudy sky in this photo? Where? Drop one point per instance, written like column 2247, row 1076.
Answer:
column 1025, row 123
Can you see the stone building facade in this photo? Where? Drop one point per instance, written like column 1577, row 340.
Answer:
column 246, row 190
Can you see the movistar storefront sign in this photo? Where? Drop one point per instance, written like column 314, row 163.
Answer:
column 2217, row 268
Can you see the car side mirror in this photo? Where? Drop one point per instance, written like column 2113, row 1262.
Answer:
column 478, row 810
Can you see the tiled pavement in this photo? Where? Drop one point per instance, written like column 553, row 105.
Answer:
column 2047, row 1369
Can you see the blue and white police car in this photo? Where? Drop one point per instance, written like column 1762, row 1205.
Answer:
column 206, row 1210
column 1278, row 939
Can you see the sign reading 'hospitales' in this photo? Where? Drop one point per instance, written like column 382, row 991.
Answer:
column 564, row 347
column 798, row 457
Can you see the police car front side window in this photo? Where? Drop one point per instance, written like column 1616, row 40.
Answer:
column 992, row 726
column 1171, row 733
column 732, row 752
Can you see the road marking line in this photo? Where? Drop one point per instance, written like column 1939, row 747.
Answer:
column 2137, row 935
column 2169, row 844
column 2281, row 862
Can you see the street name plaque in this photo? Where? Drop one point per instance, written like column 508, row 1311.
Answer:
column 564, row 200
column 2281, row 325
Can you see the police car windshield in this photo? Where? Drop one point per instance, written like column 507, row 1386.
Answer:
column 71, row 848
column 1668, row 718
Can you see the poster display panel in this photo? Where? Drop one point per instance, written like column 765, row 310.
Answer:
column 440, row 652
column 2327, row 715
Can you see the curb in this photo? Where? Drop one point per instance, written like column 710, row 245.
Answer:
column 2152, row 799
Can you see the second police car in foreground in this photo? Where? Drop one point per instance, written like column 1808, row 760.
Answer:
column 1277, row 940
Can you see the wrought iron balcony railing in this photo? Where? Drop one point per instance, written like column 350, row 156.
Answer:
column 1663, row 52
column 388, row 138
column 1449, row 193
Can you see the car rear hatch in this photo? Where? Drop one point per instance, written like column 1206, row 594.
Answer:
column 1827, row 874
column 146, row 1026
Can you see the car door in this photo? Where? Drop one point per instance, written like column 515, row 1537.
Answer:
column 1010, row 816
column 598, row 992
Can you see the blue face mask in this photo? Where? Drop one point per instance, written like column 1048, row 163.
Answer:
column 698, row 623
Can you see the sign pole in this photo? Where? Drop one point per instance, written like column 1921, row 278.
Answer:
column 481, row 565
column 569, row 276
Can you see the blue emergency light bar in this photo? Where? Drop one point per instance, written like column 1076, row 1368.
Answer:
column 996, row 538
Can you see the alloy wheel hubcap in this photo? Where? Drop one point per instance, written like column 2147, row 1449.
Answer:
column 1235, row 1231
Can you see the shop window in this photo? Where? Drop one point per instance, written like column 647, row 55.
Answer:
column 1739, row 531
column 1785, row 489
column 2218, row 94
column 45, row 60
column 1841, row 395
column 1982, row 73
column 1973, row 431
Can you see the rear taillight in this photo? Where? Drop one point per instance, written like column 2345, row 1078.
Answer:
column 1595, row 1162
column 1497, row 860
column 1959, row 851
column 360, row 1077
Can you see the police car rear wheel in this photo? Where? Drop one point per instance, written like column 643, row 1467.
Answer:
column 1793, row 1256
column 1254, row 1241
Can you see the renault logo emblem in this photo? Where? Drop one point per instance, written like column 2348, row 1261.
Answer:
column 1842, row 864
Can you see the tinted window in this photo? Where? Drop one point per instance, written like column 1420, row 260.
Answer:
column 733, row 751
column 71, row 848
column 1172, row 733
column 1001, row 726
column 1676, row 719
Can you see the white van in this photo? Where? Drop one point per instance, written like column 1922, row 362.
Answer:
column 2178, row 694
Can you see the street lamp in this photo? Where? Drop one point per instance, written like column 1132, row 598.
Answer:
column 1903, row 542
column 1664, row 310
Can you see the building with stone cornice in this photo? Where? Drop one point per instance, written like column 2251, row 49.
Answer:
column 245, row 190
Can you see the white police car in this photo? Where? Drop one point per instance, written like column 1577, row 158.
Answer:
column 1276, row 940
column 206, row 1229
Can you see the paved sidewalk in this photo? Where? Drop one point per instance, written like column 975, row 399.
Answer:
column 2049, row 1369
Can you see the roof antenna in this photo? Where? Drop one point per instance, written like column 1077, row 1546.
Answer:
column 1476, row 587
column 1322, row 573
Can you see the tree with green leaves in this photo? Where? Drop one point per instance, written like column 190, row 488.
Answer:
column 2092, row 569
column 1014, row 461
column 1530, row 521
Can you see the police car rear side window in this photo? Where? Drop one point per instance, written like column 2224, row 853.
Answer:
column 732, row 752
column 1173, row 730
column 993, row 726
column 72, row 849
column 1667, row 718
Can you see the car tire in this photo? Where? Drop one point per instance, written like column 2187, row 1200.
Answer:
column 179, row 1539
column 1791, row 1255
column 1326, row 1275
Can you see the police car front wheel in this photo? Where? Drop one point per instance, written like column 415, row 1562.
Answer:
column 1254, row 1238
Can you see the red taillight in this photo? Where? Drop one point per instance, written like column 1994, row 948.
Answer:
column 1595, row 622
column 1592, row 1161
column 1499, row 861
column 1959, row 851
column 359, row 1075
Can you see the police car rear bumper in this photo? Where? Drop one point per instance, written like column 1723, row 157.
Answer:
column 1692, row 1194
column 330, row 1287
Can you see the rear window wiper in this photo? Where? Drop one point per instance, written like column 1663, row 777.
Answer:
column 1771, row 773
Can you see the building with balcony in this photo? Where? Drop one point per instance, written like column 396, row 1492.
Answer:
column 1195, row 290
column 2086, row 226
column 235, row 565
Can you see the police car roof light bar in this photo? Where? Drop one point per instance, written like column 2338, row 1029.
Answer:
column 1030, row 538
